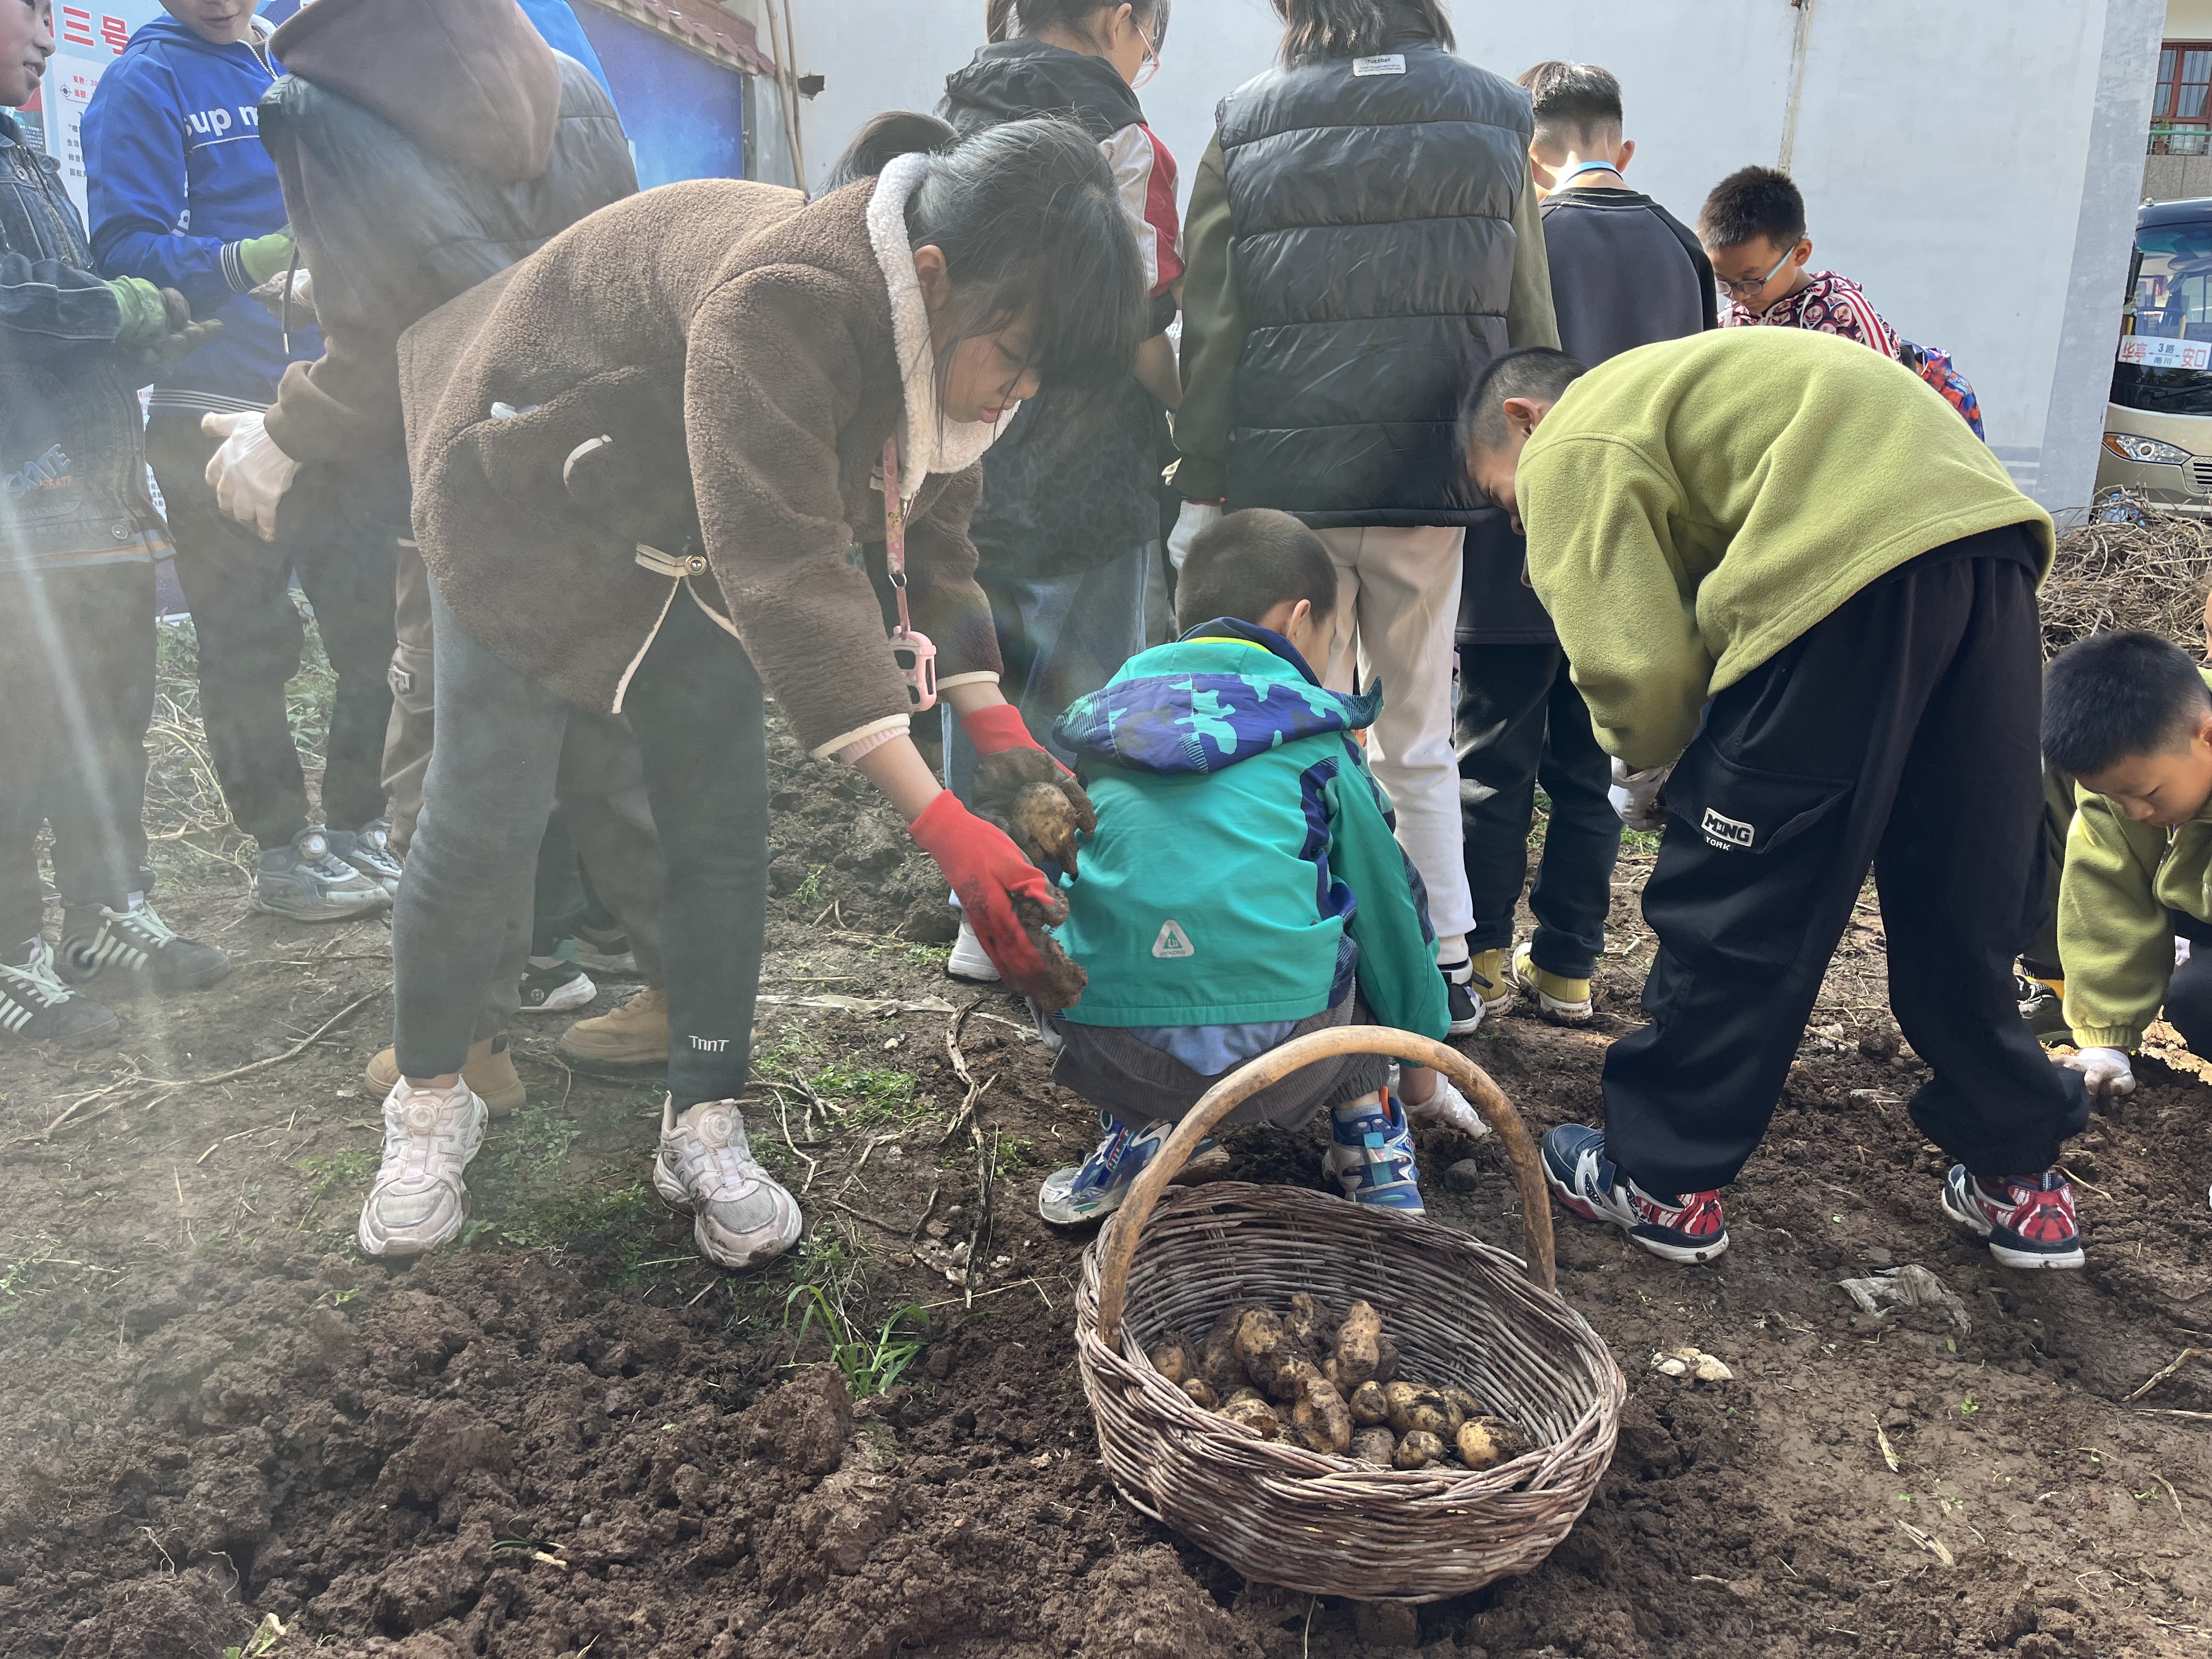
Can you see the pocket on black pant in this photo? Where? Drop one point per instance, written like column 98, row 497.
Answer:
column 1742, row 809
column 1745, row 865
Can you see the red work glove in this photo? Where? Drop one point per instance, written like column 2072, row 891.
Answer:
column 1007, row 899
column 997, row 728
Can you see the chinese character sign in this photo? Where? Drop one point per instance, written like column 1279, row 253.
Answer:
column 87, row 37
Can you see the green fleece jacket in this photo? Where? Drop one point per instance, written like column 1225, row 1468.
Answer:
column 1694, row 506
column 2114, row 935
column 1244, row 869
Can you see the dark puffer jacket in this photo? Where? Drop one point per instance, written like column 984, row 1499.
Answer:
column 407, row 190
column 1362, row 240
column 1067, row 490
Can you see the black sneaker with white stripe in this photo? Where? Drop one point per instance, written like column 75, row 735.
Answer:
column 1464, row 993
column 37, row 1007
column 133, row 950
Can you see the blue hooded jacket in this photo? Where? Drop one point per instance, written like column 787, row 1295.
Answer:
column 1244, row 870
column 176, row 177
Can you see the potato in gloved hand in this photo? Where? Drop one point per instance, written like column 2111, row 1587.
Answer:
column 1026, row 792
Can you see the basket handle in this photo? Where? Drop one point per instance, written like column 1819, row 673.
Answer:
column 1248, row 1079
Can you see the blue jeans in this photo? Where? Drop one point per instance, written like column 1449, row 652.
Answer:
column 1059, row 638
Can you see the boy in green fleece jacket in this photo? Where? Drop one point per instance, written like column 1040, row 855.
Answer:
column 2130, row 716
column 1243, row 880
column 1799, row 596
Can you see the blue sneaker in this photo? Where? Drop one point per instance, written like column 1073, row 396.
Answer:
column 1689, row 1228
column 1098, row 1187
column 1373, row 1157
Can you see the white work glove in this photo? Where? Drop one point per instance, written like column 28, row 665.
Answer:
column 2105, row 1070
column 1195, row 518
column 249, row 474
column 1636, row 795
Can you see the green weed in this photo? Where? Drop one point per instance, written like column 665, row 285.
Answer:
column 15, row 1278
column 871, row 1094
column 810, row 891
column 266, row 1635
column 349, row 1171
column 869, row 1365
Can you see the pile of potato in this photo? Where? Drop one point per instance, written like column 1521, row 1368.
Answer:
column 1331, row 1384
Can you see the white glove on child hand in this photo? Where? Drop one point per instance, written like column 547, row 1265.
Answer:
column 2105, row 1070
column 1195, row 518
column 249, row 474
column 1636, row 795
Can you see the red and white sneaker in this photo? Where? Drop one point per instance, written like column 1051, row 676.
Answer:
column 1687, row 1228
column 2028, row 1221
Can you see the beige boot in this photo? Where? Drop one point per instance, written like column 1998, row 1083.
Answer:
column 634, row 1035
column 488, row 1070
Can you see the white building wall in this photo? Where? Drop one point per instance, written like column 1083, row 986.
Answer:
column 1976, row 166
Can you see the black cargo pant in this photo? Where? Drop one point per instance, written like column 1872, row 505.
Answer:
column 76, row 657
column 1901, row 731
column 239, row 587
column 696, row 707
column 1520, row 722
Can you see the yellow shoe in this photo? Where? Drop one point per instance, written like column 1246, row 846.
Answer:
column 1562, row 1001
column 634, row 1035
column 488, row 1069
column 1498, row 997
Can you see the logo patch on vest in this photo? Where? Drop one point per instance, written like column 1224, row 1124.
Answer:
column 1726, row 832
column 1390, row 63
column 1173, row 942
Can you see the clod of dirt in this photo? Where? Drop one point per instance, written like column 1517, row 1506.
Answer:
column 1464, row 1177
column 421, row 1588
column 186, row 1617
column 1901, row 1291
column 805, row 1424
column 1386, row 1624
column 450, row 1439
column 847, row 1515
column 1062, row 981
column 1143, row 1605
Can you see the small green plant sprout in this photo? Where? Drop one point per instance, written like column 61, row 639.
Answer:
column 1969, row 1406
column 810, row 891
column 266, row 1635
column 869, row 1366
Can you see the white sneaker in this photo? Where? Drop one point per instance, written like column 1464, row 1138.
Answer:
column 1447, row 1108
column 969, row 960
column 419, row 1200
column 741, row 1217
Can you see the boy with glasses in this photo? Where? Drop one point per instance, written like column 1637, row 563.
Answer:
column 1752, row 227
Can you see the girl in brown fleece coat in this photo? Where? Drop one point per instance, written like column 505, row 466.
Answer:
column 649, row 471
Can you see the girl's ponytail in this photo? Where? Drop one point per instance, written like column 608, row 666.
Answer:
column 999, row 22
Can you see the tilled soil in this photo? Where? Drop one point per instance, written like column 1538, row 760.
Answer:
column 564, row 1435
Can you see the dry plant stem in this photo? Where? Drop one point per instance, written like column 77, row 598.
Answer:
column 174, row 1085
column 2178, row 1361
column 1240, row 1085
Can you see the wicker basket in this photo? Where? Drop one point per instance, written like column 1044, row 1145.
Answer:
column 1459, row 1311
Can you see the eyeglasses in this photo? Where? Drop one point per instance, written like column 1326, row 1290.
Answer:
column 1151, row 66
column 1744, row 290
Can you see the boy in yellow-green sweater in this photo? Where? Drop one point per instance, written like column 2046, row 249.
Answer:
column 1799, row 598
column 2130, row 716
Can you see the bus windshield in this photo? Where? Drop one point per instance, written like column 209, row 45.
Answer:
column 2166, row 359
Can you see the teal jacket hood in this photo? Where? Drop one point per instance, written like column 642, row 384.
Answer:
column 1207, row 702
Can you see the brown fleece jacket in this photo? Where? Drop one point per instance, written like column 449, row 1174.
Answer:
column 735, row 344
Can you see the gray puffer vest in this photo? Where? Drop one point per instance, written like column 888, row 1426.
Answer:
column 1371, row 205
